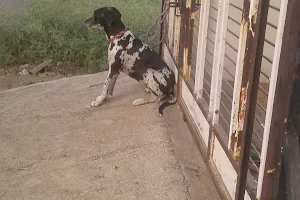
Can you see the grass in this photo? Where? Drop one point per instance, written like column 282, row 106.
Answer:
column 54, row 29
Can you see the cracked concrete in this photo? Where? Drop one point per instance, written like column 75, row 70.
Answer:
column 53, row 146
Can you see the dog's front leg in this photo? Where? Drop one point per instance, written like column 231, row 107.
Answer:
column 112, row 85
column 107, row 84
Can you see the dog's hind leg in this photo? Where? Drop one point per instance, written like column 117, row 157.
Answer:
column 147, row 90
column 142, row 101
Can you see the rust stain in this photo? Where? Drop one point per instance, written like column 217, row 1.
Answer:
column 271, row 171
column 187, row 67
column 212, row 145
column 233, row 139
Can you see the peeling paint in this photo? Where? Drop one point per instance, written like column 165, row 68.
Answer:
column 241, row 118
column 253, row 14
column 213, row 138
column 271, row 171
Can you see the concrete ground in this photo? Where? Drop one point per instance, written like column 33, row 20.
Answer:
column 53, row 146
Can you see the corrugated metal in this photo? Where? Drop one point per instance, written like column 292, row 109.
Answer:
column 210, row 46
column 231, row 51
column 191, row 82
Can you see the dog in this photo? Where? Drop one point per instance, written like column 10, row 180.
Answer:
column 128, row 54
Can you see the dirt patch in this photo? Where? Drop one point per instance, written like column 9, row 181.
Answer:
column 10, row 78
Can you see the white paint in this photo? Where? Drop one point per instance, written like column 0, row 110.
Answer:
column 238, row 79
column 217, row 75
column 225, row 168
column 271, row 96
column 201, row 48
column 253, row 13
column 169, row 61
column 196, row 113
column 247, row 196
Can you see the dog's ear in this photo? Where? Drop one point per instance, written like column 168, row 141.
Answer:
column 111, row 15
column 116, row 12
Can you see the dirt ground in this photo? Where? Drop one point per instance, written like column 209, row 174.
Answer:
column 54, row 146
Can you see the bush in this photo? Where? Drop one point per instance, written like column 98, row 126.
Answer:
column 54, row 29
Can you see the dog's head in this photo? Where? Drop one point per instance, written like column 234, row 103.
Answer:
column 103, row 17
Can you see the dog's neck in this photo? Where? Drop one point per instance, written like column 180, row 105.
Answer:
column 114, row 29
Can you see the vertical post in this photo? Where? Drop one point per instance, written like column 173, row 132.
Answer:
column 279, row 101
column 255, row 14
column 202, row 37
column 238, row 78
column 218, row 61
column 177, row 35
column 188, row 24
column 161, row 28
column 171, row 25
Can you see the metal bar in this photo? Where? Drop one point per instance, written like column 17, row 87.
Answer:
column 161, row 28
column 224, row 120
column 188, row 25
column 227, row 56
column 208, row 62
column 269, row 42
column 210, row 40
column 279, row 98
column 177, row 28
column 202, row 42
column 233, row 33
column 216, row 9
column 209, row 52
column 206, row 92
column 226, row 95
column 260, row 123
column 267, row 59
column 212, row 18
column 227, row 110
column 273, row 7
column 238, row 23
column 263, row 90
column 256, row 30
column 207, row 83
column 229, row 73
column 272, row 25
column 207, row 72
column 228, row 84
column 255, row 149
column 211, row 30
column 231, row 47
column 235, row 6
column 265, row 75
column 261, row 106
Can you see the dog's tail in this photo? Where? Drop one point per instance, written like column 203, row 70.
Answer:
column 172, row 101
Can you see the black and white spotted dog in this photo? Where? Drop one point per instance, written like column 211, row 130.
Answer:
column 130, row 55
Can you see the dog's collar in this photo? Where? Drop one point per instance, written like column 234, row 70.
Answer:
column 118, row 35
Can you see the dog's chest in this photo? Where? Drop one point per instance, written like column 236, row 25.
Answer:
column 125, row 51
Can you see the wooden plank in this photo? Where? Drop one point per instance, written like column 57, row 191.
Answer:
column 292, row 166
column 255, row 36
column 269, row 173
column 196, row 113
column 202, row 35
column 271, row 95
column 219, row 51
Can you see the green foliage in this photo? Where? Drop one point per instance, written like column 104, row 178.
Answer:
column 54, row 29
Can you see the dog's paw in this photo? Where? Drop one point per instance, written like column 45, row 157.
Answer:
column 99, row 98
column 147, row 90
column 138, row 102
column 95, row 103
